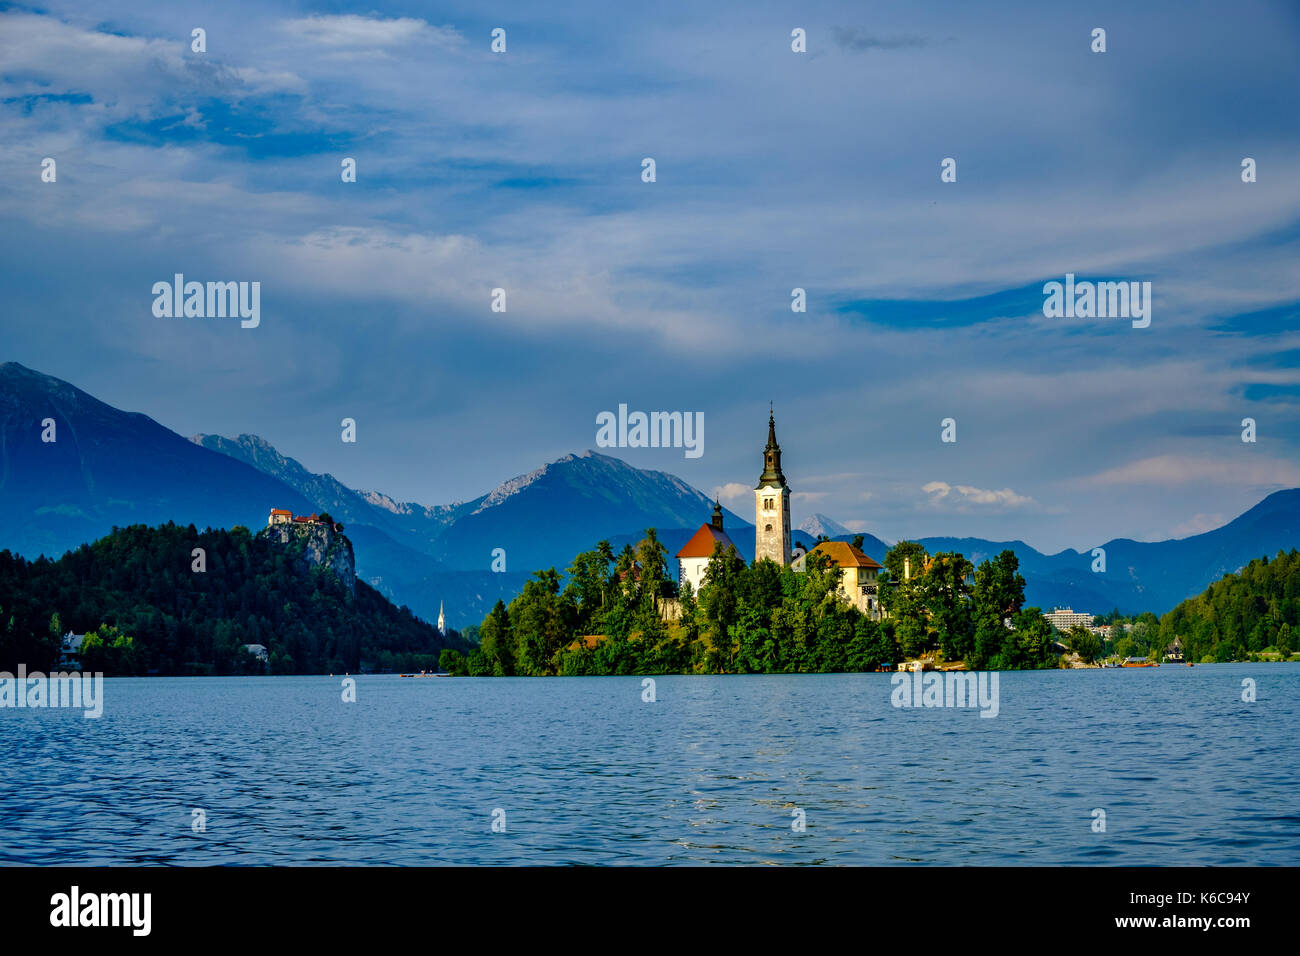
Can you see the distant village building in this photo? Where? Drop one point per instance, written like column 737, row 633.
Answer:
column 279, row 516
column 772, row 504
column 70, row 651
column 858, row 583
column 693, row 558
column 258, row 651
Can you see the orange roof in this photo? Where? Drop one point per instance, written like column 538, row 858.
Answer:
column 281, row 511
column 845, row 555
column 701, row 544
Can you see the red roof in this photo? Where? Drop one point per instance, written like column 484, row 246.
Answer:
column 845, row 555
column 701, row 544
column 281, row 511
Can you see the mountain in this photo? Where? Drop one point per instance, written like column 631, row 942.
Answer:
column 817, row 524
column 547, row 516
column 1140, row 575
column 109, row 468
column 424, row 555
column 413, row 525
column 106, row 468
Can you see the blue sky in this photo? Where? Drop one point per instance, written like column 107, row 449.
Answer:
column 775, row 170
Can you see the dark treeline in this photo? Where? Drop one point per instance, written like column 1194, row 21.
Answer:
column 145, row 610
column 610, row 618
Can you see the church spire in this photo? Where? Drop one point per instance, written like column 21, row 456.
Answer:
column 772, row 503
column 771, row 456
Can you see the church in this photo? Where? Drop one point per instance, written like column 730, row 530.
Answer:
column 858, row 584
column 772, row 504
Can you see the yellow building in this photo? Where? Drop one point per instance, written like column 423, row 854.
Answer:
column 858, row 584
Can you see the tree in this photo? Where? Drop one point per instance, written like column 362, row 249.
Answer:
column 1084, row 643
column 720, row 603
column 496, row 641
column 1030, row 644
column 946, row 598
column 537, row 615
column 906, row 556
column 453, row 662
column 820, row 585
column 998, row 595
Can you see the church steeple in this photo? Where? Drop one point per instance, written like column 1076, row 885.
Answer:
column 772, row 503
column 717, row 513
column 442, row 621
column 771, row 457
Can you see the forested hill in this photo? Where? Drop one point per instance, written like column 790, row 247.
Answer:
column 153, row 613
column 1257, row 610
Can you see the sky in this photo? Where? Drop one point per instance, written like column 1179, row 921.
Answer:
column 774, row 170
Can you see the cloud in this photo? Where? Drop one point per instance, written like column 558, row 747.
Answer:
column 735, row 495
column 941, row 491
column 376, row 294
column 1198, row 524
column 1172, row 469
column 808, row 497
column 857, row 40
column 350, row 30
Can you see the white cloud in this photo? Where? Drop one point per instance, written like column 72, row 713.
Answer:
column 736, row 496
column 350, row 30
column 1231, row 469
column 941, row 491
column 1198, row 524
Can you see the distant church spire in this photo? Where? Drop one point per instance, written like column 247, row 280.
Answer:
column 717, row 513
column 442, row 621
column 772, row 503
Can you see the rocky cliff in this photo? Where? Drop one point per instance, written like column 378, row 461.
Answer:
column 317, row 545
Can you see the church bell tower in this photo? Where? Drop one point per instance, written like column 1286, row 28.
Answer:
column 772, row 504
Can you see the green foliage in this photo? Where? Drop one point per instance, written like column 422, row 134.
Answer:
column 1236, row 617
column 144, row 610
column 613, row 617
column 1084, row 643
column 454, row 662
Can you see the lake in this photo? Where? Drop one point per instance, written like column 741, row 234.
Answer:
column 713, row 771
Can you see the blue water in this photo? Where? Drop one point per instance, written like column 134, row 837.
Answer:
column 287, row 773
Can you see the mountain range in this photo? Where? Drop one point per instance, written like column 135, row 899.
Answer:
column 106, row 467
